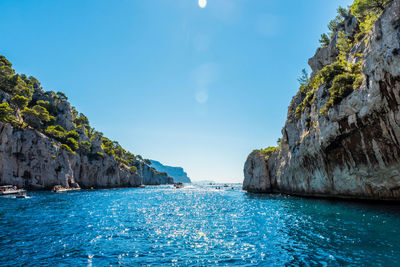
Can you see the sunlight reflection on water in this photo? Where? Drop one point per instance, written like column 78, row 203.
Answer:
column 196, row 225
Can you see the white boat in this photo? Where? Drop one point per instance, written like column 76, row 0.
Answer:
column 60, row 189
column 10, row 190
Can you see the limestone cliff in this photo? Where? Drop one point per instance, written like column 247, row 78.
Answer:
column 44, row 142
column 177, row 173
column 29, row 159
column 348, row 146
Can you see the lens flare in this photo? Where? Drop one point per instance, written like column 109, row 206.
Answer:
column 202, row 3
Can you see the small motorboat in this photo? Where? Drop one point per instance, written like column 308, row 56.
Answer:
column 178, row 185
column 60, row 189
column 21, row 195
column 10, row 190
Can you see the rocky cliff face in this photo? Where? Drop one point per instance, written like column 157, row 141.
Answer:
column 43, row 143
column 153, row 177
column 177, row 173
column 32, row 160
column 352, row 150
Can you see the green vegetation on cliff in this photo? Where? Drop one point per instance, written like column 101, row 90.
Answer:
column 341, row 77
column 367, row 12
column 267, row 152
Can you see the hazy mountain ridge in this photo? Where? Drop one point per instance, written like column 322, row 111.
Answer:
column 177, row 173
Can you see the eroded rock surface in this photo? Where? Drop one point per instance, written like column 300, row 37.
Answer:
column 256, row 168
column 37, row 154
column 32, row 160
column 354, row 150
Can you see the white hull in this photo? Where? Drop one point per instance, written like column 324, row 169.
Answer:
column 11, row 192
column 67, row 190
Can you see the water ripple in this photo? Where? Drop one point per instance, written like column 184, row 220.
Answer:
column 194, row 226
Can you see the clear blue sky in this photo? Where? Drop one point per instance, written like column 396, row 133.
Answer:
column 188, row 86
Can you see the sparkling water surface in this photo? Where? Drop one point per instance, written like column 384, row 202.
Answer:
column 196, row 225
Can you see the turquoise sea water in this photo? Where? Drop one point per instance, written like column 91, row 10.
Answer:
column 196, row 225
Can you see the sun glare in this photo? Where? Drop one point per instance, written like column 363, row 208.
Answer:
column 202, row 3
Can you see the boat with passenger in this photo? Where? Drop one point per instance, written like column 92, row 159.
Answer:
column 21, row 195
column 178, row 185
column 61, row 189
column 10, row 190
